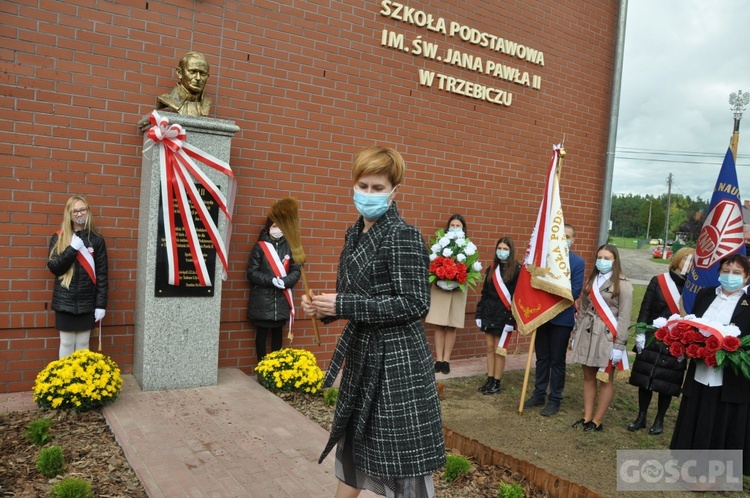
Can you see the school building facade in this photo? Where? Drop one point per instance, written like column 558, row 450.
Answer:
column 474, row 94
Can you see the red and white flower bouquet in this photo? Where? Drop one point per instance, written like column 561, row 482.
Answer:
column 715, row 344
column 454, row 261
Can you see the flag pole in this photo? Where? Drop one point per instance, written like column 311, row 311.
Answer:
column 526, row 373
column 739, row 102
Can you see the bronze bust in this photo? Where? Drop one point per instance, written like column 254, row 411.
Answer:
column 189, row 97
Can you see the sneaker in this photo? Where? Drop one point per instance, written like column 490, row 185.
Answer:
column 591, row 426
column 534, row 402
column 550, row 409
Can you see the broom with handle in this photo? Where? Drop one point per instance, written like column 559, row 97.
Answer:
column 285, row 213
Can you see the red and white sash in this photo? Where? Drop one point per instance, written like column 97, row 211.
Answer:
column 504, row 342
column 279, row 269
column 500, row 287
column 669, row 291
column 86, row 260
column 606, row 315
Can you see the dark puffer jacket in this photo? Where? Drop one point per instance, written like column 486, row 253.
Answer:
column 83, row 296
column 654, row 368
column 490, row 309
column 267, row 302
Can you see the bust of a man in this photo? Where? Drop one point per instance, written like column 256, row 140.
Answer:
column 189, row 95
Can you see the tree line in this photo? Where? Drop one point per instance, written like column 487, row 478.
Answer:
column 644, row 217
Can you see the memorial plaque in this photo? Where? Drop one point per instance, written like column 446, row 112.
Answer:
column 189, row 283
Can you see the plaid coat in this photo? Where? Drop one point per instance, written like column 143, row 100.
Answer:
column 387, row 390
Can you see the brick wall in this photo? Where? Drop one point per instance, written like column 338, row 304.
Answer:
column 309, row 84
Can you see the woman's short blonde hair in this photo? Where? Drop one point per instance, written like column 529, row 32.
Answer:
column 679, row 257
column 377, row 160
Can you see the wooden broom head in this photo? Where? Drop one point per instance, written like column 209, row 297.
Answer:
column 285, row 213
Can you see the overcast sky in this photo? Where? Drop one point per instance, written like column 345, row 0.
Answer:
column 682, row 60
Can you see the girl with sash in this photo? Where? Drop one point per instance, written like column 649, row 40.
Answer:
column 447, row 308
column 272, row 274
column 654, row 369
column 78, row 259
column 714, row 412
column 601, row 333
column 494, row 316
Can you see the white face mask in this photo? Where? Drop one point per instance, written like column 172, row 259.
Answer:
column 80, row 220
column 275, row 233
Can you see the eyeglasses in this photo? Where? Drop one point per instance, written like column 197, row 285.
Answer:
column 80, row 211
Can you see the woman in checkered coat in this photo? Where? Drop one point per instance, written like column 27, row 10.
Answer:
column 387, row 426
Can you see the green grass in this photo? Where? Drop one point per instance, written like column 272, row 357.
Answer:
column 625, row 242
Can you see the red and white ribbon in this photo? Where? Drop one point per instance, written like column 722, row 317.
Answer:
column 605, row 313
column 500, row 287
column 504, row 342
column 669, row 291
column 86, row 260
column 176, row 167
column 279, row 269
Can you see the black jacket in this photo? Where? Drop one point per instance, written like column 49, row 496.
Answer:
column 654, row 368
column 490, row 309
column 267, row 302
column 83, row 296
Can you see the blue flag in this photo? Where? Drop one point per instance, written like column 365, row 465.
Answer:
column 720, row 236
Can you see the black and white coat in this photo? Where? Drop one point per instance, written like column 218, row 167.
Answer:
column 387, row 391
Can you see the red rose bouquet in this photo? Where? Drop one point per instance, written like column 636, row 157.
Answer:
column 715, row 344
column 454, row 261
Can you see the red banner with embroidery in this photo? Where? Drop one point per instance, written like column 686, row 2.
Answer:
column 176, row 169
column 280, row 269
column 669, row 291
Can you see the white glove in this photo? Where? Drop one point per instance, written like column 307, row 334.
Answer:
column 98, row 314
column 278, row 282
column 640, row 342
column 508, row 328
column 572, row 343
column 76, row 242
column 479, row 323
column 616, row 356
column 449, row 286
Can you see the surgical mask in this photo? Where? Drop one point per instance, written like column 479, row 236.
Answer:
column 275, row 233
column 80, row 220
column 730, row 282
column 372, row 206
column 604, row 265
column 569, row 242
column 455, row 230
column 502, row 255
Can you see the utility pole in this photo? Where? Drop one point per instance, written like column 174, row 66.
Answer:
column 666, row 225
column 739, row 102
column 648, row 226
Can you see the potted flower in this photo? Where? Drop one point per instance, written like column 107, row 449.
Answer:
column 83, row 380
column 290, row 370
column 454, row 261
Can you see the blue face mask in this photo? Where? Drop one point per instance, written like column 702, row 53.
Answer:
column 604, row 265
column 455, row 230
column 371, row 206
column 502, row 255
column 731, row 282
column 568, row 242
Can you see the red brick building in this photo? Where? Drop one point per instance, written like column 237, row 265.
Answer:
column 473, row 94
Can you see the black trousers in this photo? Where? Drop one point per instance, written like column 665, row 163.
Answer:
column 551, row 345
column 261, row 333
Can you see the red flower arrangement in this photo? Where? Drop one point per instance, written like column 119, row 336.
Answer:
column 715, row 345
column 448, row 269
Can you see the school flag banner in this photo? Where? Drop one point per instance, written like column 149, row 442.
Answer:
column 543, row 287
column 720, row 236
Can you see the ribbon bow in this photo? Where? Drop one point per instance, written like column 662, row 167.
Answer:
column 176, row 167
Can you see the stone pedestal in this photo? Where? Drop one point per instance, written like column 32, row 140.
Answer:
column 177, row 338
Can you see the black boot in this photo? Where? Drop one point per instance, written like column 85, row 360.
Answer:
column 494, row 388
column 658, row 426
column 487, row 384
column 638, row 423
